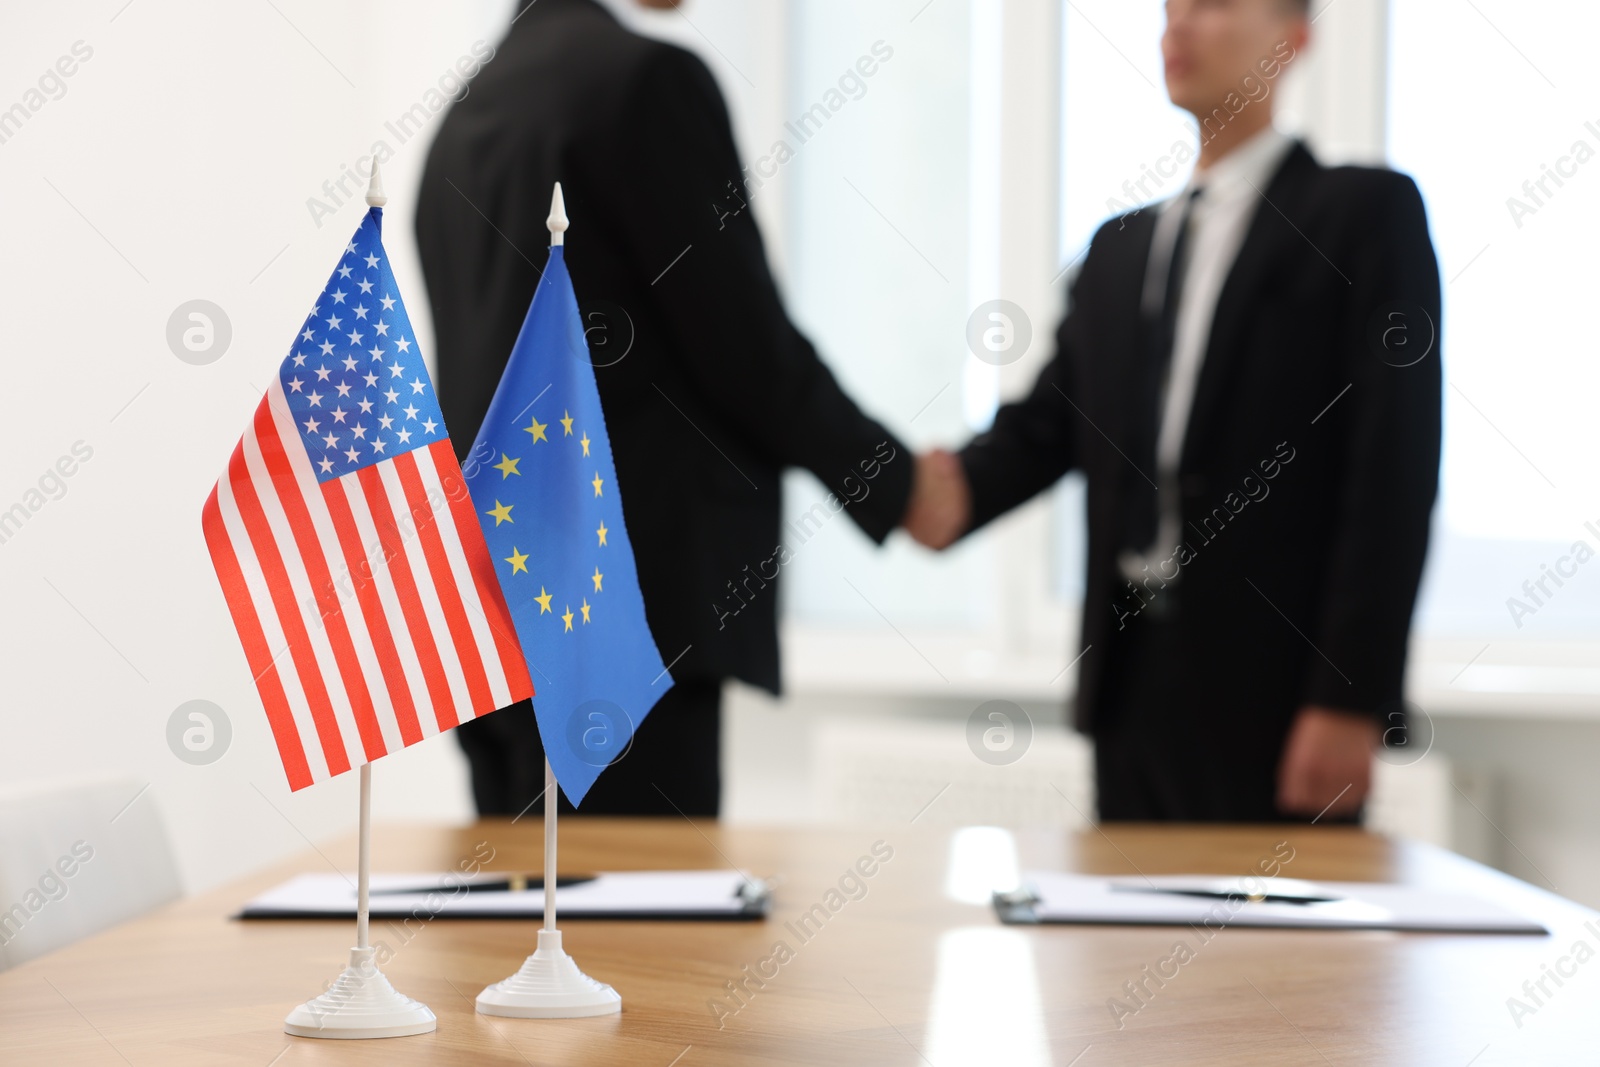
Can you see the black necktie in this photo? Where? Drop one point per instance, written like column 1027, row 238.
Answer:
column 1160, row 331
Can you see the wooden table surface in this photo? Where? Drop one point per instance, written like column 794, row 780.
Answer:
column 907, row 973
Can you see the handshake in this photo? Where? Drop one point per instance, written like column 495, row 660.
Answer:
column 940, row 509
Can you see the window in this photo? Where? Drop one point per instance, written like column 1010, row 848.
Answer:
column 879, row 263
column 1510, row 169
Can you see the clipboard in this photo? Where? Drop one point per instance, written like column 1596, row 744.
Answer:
column 1273, row 903
column 616, row 895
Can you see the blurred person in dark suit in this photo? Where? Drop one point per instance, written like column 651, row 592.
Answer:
column 1249, row 376
column 709, row 391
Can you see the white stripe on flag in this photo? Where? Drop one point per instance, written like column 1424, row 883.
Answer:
column 305, row 601
column 271, row 628
column 461, row 574
column 343, row 591
column 389, row 599
column 428, row 592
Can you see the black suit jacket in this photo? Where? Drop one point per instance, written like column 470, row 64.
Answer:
column 1310, row 463
column 717, row 391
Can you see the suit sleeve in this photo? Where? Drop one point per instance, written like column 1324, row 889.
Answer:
column 681, row 194
column 1391, row 468
column 1032, row 442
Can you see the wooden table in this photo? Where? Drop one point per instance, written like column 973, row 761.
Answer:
column 906, row 974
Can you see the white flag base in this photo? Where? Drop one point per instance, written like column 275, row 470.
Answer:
column 360, row 1004
column 549, row 986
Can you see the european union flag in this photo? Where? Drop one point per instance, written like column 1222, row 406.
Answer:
column 543, row 482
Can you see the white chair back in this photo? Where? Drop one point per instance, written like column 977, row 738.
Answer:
column 76, row 858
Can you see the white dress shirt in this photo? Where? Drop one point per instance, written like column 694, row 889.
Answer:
column 1232, row 191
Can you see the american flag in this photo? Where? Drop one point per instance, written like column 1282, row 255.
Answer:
column 347, row 546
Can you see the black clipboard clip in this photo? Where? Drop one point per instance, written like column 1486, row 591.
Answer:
column 1017, row 905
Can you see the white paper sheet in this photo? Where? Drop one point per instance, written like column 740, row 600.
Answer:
column 621, row 894
column 1054, row 897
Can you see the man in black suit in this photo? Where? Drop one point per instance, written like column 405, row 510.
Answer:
column 1249, row 376
column 709, row 391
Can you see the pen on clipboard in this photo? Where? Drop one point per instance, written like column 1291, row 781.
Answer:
column 1229, row 894
column 515, row 883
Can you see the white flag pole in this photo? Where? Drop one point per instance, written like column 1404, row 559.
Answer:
column 557, row 222
column 549, row 984
column 549, row 846
column 364, row 856
column 361, row 1003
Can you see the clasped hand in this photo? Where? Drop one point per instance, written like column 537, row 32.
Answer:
column 940, row 509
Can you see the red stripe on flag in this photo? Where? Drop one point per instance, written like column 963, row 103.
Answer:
column 405, row 588
column 256, row 652
column 455, row 613
column 483, row 577
column 287, row 490
column 288, row 612
column 360, row 568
